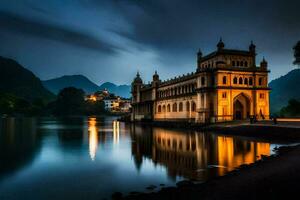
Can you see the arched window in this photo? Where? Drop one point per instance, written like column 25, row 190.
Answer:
column 202, row 81
column 193, row 106
column 242, row 63
column 180, row 107
column 238, row 63
column 240, row 80
column 224, row 80
column 159, row 109
column 233, row 63
column 164, row 108
column 174, row 107
column 250, row 81
column 235, row 80
column 246, row 81
column 260, row 81
column 168, row 108
column 246, row 64
column 187, row 106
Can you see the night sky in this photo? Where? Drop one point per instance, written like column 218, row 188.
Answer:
column 109, row 40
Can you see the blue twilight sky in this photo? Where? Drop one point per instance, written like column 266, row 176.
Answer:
column 109, row 40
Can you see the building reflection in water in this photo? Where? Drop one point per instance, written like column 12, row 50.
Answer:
column 194, row 155
column 116, row 132
column 93, row 137
column 97, row 134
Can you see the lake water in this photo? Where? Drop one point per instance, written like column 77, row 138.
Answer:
column 90, row 158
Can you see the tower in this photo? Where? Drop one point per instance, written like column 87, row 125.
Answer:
column 199, row 57
column 136, row 87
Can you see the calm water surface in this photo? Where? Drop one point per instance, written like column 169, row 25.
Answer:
column 90, row 158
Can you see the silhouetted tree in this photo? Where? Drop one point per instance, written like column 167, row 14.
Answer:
column 297, row 53
column 70, row 101
column 292, row 109
column 94, row 107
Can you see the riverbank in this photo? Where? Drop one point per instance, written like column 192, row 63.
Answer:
column 275, row 177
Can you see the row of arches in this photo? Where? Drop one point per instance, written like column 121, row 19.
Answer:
column 241, row 81
column 238, row 63
column 184, row 89
column 234, row 63
column 189, row 106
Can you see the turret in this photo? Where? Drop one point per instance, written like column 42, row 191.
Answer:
column 264, row 64
column 253, row 53
column 199, row 57
column 136, row 87
column 220, row 45
column 252, row 48
column 155, row 79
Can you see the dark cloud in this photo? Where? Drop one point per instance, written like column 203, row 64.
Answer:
column 180, row 24
column 34, row 28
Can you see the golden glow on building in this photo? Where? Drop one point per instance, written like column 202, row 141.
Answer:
column 93, row 137
column 227, row 85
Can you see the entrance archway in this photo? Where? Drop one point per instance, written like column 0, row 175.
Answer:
column 241, row 107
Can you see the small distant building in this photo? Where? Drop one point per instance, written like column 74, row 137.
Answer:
column 111, row 103
column 226, row 85
column 117, row 104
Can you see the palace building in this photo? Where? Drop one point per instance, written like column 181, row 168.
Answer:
column 227, row 85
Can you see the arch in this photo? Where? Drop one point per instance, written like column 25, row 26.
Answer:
column 202, row 81
column 180, row 107
column 174, row 109
column 168, row 108
column 193, row 106
column 224, row 80
column 241, row 107
column 246, row 64
column 159, row 109
column 187, row 106
column 164, row 108
column 250, row 81
column 260, row 81
column 240, row 80
column 235, row 80
column 246, row 81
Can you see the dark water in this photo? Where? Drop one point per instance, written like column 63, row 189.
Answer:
column 90, row 158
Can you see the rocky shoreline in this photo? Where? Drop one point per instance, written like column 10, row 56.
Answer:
column 274, row 177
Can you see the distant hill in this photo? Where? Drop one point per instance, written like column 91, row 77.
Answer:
column 119, row 90
column 283, row 89
column 17, row 80
column 77, row 81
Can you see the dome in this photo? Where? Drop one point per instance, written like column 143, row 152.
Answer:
column 138, row 79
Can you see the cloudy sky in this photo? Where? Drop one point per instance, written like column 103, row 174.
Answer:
column 109, row 40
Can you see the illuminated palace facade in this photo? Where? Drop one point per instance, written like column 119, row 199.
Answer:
column 227, row 85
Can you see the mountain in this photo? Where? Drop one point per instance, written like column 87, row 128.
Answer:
column 283, row 89
column 77, row 81
column 119, row 90
column 18, row 81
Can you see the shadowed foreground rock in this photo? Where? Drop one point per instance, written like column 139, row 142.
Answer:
column 275, row 177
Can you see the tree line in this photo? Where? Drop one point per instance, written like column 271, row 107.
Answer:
column 69, row 101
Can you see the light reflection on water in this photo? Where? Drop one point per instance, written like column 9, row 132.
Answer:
column 90, row 158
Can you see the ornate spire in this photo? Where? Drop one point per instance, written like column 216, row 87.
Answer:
column 220, row 44
column 252, row 47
